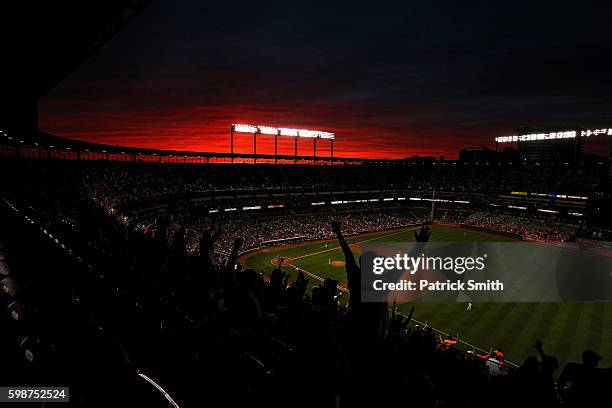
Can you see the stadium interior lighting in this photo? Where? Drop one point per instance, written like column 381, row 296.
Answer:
column 547, row 211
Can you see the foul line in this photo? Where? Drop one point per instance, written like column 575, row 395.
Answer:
column 312, row 275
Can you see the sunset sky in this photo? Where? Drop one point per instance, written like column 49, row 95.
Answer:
column 391, row 79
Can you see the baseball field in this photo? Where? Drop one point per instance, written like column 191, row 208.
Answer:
column 566, row 329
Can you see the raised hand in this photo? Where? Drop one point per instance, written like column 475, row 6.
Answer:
column 231, row 259
column 301, row 282
column 539, row 346
column 423, row 234
column 238, row 243
column 215, row 232
column 335, row 226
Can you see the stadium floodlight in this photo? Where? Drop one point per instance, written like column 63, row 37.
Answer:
column 571, row 134
column 281, row 131
column 245, row 128
column 288, row 132
column 269, row 130
column 308, row 133
column 315, row 133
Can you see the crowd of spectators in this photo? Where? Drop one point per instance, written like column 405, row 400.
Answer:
column 117, row 183
column 219, row 333
column 269, row 230
column 529, row 227
column 111, row 185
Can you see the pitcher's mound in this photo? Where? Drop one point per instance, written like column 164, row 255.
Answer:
column 337, row 264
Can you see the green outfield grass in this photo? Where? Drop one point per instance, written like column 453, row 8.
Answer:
column 566, row 329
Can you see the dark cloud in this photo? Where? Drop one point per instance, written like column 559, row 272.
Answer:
column 390, row 78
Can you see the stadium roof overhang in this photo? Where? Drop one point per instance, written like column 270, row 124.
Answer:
column 45, row 42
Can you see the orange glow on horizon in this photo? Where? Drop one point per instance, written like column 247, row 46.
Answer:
column 207, row 129
column 349, row 143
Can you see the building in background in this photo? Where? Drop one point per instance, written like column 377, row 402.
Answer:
column 484, row 154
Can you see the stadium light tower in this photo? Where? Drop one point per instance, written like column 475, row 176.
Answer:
column 276, row 132
column 553, row 135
